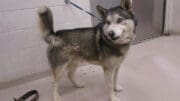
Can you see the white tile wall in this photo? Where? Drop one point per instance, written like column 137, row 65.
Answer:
column 22, row 51
column 7, row 5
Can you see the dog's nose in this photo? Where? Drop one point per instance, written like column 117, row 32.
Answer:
column 111, row 34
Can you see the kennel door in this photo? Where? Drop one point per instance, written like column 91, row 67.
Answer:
column 149, row 14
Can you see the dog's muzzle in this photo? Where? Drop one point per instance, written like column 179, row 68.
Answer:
column 112, row 36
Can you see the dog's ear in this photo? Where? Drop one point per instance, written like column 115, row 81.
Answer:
column 126, row 4
column 102, row 11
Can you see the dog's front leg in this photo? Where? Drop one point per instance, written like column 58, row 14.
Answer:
column 110, row 83
column 117, row 87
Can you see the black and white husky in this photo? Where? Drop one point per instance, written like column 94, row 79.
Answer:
column 105, row 44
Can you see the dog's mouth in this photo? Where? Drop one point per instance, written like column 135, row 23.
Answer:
column 114, row 38
column 126, row 40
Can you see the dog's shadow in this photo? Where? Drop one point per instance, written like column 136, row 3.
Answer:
column 68, row 89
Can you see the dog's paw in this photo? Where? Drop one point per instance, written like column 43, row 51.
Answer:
column 79, row 85
column 115, row 98
column 118, row 88
column 57, row 98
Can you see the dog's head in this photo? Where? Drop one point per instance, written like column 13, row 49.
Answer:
column 118, row 23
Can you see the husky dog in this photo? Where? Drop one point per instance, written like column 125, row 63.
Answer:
column 105, row 44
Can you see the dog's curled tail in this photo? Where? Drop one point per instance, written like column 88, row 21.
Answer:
column 46, row 23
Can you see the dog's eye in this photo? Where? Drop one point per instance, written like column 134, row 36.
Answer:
column 119, row 20
column 108, row 22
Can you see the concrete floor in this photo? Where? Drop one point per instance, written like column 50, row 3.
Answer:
column 151, row 72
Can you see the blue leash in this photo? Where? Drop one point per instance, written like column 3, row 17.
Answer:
column 80, row 8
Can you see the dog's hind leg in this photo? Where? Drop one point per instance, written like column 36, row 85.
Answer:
column 56, row 96
column 57, row 76
column 117, row 87
column 72, row 67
